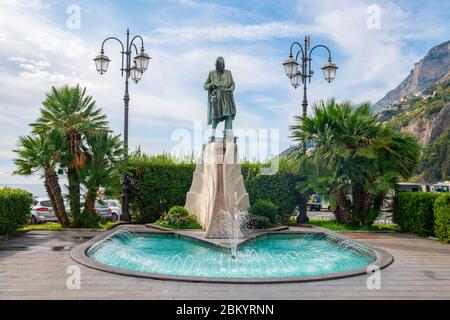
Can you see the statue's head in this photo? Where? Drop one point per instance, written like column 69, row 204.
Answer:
column 220, row 64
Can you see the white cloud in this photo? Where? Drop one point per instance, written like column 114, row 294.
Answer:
column 34, row 4
column 208, row 6
column 56, row 41
column 370, row 53
column 262, row 99
column 228, row 32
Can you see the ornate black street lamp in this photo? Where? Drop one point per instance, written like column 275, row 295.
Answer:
column 133, row 68
column 301, row 75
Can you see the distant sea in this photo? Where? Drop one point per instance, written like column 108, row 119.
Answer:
column 36, row 189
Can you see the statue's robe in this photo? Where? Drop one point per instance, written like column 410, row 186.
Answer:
column 220, row 100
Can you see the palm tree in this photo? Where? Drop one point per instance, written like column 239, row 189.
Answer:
column 355, row 160
column 398, row 156
column 326, row 169
column 74, row 114
column 103, row 155
column 41, row 154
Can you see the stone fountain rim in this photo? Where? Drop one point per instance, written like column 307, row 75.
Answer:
column 79, row 255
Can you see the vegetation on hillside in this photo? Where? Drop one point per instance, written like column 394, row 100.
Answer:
column 435, row 160
column 434, row 164
column 428, row 104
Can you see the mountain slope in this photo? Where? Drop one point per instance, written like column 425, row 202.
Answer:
column 426, row 72
column 425, row 116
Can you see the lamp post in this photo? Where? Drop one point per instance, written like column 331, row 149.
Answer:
column 303, row 75
column 130, row 68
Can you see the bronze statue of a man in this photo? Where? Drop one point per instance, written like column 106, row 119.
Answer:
column 221, row 105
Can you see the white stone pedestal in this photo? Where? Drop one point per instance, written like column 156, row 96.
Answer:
column 217, row 187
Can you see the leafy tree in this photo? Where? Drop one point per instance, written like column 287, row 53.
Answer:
column 41, row 154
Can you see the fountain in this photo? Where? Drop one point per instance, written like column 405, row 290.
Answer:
column 219, row 200
column 281, row 257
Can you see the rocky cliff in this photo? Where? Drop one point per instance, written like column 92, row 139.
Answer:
column 425, row 116
column 426, row 72
column 428, row 129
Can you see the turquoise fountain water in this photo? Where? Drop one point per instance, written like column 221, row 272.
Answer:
column 273, row 256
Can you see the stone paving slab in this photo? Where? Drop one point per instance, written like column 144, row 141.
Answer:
column 34, row 266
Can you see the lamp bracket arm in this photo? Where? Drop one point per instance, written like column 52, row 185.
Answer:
column 135, row 48
column 301, row 50
column 122, row 52
column 320, row 45
column 132, row 42
column 113, row 38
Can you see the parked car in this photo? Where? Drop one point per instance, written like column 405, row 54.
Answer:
column 325, row 205
column 108, row 209
column 313, row 203
column 422, row 187
column 67, row 206
column 441, row 187
column 412, row 187
column 42, row 211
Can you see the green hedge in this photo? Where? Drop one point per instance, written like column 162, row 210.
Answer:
column 414, row 212
column 15, row 210
column 157, row 183
column 442, row 218
column 280, row 188
column 154, row 189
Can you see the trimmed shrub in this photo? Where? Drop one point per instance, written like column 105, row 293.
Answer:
column 15, row 209
column 257, row 222
column 264, row 208
column 179, row 218
column 442, row 218
column 178, row 211
column 413, row 212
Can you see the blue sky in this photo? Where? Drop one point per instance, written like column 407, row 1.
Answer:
column 184, row 37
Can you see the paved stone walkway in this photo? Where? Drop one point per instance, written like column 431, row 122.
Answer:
column 34, row 266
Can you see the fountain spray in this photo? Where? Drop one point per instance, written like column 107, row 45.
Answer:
column 234, row 223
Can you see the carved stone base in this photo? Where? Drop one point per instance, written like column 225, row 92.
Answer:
column 217, row 187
